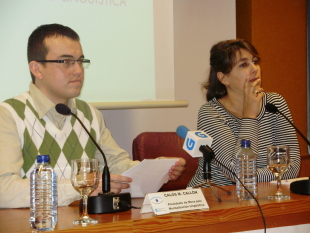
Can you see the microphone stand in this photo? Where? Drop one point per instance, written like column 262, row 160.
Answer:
column 300, row 133
column 107, row 201
column 300, row 186
column 208, row 155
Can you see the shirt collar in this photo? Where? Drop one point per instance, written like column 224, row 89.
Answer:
column 43, row 104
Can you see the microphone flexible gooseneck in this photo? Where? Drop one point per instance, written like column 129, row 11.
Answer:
column 244, row 186
column 301, row 186
column 105, row 202
column 65, row 110
column 273, row 109
column 209, row 155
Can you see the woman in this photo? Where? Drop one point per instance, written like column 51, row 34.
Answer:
column 236, row 110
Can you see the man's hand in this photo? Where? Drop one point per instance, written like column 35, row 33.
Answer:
column 177, row 169
column 117, row 182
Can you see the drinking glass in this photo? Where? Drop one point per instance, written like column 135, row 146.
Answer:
column 278, row 160
column 85, row 178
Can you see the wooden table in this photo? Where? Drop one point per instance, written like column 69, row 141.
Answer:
column 226, row 216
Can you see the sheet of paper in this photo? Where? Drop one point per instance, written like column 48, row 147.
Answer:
column 148, row 176
column 288, row 182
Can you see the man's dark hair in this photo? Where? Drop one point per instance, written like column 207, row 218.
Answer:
column 36, row 49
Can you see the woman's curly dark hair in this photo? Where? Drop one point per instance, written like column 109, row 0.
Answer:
column 222, row 59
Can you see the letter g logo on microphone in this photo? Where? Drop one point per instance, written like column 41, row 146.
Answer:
column 201, row 135
column 190, row 143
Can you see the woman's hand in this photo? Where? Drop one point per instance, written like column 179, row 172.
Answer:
column 252, row 97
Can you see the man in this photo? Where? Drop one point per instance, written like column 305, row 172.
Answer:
column 30, row 125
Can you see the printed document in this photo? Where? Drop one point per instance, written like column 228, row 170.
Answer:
column 148, row 176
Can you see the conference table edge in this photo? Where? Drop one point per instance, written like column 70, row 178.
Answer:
column 228, row 213
column 205, row 218
column 189, row 219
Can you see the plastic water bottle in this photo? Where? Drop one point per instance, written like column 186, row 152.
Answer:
column 43, row 195
column 246, row 171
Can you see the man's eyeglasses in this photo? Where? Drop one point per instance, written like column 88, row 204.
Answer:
column 69, row 62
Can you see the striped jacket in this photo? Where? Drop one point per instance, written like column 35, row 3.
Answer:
column 227, row 130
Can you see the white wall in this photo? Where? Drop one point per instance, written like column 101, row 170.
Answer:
column 198, row 24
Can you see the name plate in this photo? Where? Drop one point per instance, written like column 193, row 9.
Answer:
column 174, row 201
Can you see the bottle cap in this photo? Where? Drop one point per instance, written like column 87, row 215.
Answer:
column 43, row 158
column 245, row 143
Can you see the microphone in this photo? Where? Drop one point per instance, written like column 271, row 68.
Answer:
column 193, row 140
column 106, row 202
column 65, row 110
column 273, row 109
column 197, row 144
column 208, row 154
column 301, row 186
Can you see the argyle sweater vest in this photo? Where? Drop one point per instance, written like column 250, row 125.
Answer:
column 41, row 136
